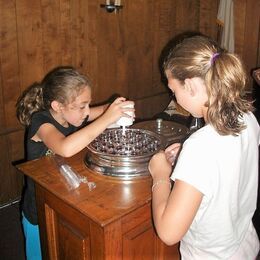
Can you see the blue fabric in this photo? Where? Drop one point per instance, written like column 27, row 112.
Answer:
column 32, row 240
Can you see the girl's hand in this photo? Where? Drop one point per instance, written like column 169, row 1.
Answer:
column 172, row 152
column 118, row 109
column 159, row 166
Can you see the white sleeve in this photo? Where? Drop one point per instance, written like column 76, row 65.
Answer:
column 195, row 166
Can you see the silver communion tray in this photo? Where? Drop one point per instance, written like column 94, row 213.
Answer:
column 123, row 154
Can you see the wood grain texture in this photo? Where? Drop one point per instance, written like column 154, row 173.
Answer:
column 207, row 20
column 2, row 114
column 11, row 183
column 15, row 152
column 187, row 16
column 29, row 35
column 247, row 34
column 140, row 49
column 111, row 55
column 4, row 170
column 9, row 61
column 51, row 24
column 251, row 34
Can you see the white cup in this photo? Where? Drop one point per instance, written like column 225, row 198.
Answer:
column 126, row 121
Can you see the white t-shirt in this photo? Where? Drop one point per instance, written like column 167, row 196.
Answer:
column 225, row 170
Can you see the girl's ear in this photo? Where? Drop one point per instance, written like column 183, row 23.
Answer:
column 56, row 106
column 190, row 86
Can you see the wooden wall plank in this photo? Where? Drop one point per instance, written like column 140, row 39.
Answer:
column 111, row 53
column 66, row 37
column 79, row 33
column 5, row 182
column 252, row 33
column 11, row 183
column 258, row 48
column 187, row 16
column 16, row 153
column 52, row 51
column 247, row 33
column 29, row 33
column 140, row 48
column 240, row 25
column 2, row 114
column 9, row 61
column 164, row 29
column 208, row 16
column 91, row 56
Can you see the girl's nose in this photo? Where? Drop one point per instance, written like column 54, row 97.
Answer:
column 87, row 110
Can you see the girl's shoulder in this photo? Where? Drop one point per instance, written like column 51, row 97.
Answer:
column 42, row 117
column 39, row 118
column 41, row 114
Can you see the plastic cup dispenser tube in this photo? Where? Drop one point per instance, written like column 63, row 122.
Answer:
column 126, row 121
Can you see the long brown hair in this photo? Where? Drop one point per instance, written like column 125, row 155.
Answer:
column 224, row 77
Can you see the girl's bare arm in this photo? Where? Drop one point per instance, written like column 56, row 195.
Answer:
column 173, row 211
column 74, row 143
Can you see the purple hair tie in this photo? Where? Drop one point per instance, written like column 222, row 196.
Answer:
column 214, row 57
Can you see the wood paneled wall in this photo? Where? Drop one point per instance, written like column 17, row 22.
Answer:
column 118, row 51
column 247, row 32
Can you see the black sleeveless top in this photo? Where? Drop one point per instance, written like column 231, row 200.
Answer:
column 35, row 150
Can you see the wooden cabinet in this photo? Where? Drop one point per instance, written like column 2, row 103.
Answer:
column 113, row 221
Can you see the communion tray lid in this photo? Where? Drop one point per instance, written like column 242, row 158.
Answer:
column 171, row 131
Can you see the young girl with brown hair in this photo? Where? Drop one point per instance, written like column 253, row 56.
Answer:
column 56, row 112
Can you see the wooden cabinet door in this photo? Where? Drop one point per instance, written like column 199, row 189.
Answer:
column 67, row 239
column 65, row 232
